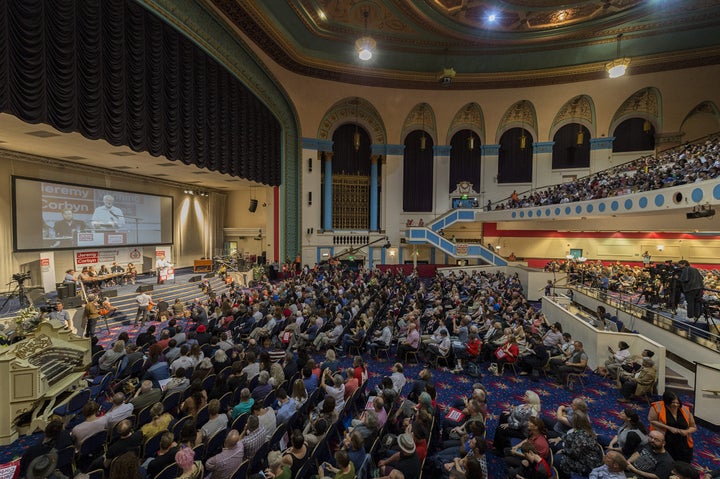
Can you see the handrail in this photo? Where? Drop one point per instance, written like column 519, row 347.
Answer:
column 654, row 156
column 651, row 316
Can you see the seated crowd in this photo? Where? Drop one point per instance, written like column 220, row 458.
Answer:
column 689, row 163
column 255, row 385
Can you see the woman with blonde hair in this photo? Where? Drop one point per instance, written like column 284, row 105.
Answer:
column 159, row 422
column 514, row 423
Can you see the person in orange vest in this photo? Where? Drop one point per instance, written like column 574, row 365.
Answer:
column 677, row 421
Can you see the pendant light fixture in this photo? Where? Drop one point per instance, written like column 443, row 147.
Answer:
column 356, row 135
column 365, row 45
column 471, row 142
column 423, row 139
column 580, row 135
column 617, row 67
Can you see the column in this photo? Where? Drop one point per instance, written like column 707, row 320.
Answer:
column 327, row 221
column 488, row 173
column 601, row 153
column 374, row 192
column 542, row 163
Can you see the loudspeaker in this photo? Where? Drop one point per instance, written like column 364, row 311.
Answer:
column 253, row 205
column 63, row 291
column 195, row 279
column 110, row 293
column 144, row 288
column 209, row 275
column 72, row 302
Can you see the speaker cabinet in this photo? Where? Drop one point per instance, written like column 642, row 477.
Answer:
column 209, row 275
column 253, row 205
column 195, row 279
column 110, row 293
column 143, row 288
column 72, row 302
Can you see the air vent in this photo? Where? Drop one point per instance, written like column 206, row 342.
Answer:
column 42, row 134
column 122, row 153
column 166, row 164
column 74, row 158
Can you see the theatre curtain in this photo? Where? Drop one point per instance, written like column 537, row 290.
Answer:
column 112, row 70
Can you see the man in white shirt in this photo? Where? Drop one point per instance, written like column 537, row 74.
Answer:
column 120, row 410
column 107, row 216
column 161, row 267
column 143, row 301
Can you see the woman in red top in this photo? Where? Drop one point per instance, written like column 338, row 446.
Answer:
column 507, row 353
column 470, row 351
column 361, row 373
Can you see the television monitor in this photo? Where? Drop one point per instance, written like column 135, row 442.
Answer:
column 48, row 215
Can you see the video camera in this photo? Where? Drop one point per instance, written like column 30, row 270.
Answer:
column 664, row 270
column 20, row 277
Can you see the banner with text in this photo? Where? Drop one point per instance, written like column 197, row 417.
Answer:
column 98, row 257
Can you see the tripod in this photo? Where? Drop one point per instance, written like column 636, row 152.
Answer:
column 19, row 293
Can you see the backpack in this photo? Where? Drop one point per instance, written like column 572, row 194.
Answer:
column 472, row 369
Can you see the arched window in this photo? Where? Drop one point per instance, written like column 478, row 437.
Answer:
column 634, row 134
column 418, row 172
column 465, row 158
column 515, row 157
column 350, row 178
column 572, row 147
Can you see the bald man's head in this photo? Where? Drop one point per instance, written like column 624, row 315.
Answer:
column 232, row 439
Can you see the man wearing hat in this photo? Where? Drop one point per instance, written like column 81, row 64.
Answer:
column 90, row 315
column 44, row 467
column 405, row 461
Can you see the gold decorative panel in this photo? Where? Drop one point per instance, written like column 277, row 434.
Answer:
column 351, row 200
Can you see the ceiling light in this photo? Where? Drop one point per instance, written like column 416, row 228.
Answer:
column 617, row 67
column 365, row 45
column 492, row 17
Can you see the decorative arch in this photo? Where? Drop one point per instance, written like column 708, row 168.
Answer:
column 469, row 117
column 580, row 109
column 645, row 104
column 703, row 108
column 353, row 110
column 521, row 114
column 420, row 117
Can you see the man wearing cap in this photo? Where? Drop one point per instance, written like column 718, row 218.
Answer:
column 405, row 461
column 90, row 315
column 201, row 335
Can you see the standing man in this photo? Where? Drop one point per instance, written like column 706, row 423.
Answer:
column 107, row 216
column 90, row 315
column 161, row 267
column 691, row 282
column 143, row 301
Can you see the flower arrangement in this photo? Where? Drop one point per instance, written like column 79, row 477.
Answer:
column 27, row 319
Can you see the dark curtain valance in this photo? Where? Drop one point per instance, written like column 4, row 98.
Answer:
column 112, row 70
column 515, row 157
column 418, row 178
column 464, row 162
column 567, row 153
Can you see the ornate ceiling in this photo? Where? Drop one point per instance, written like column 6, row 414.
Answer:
column 531, row 42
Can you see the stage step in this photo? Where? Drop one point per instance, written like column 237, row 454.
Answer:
column 677, row 382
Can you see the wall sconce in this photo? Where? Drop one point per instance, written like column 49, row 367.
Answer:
column 660, row 247
column 309, row 198
column 309, row 165
column 391, row 252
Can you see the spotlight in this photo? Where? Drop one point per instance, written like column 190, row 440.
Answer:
column 492, row 17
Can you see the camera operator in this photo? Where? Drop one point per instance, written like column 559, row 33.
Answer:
column 691, row 282
column 61, row 315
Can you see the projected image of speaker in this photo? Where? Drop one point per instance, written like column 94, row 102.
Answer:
column 253, row 205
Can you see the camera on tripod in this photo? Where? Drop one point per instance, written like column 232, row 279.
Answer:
column 20, row 277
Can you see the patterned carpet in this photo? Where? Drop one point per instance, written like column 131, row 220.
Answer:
column 503, row 392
